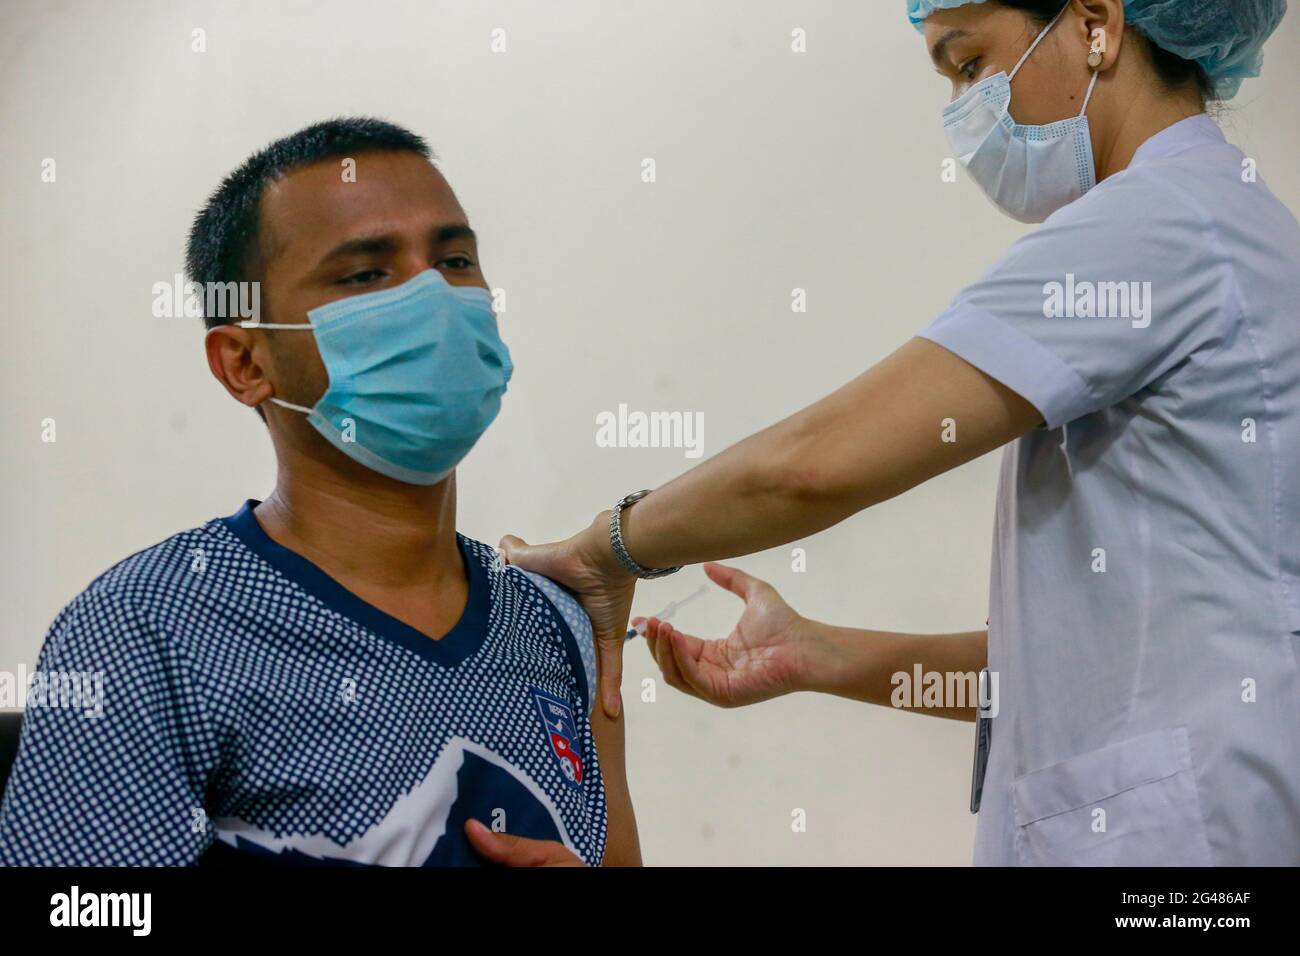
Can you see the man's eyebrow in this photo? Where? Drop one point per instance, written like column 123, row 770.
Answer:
column 360, row 245
column 457, row 230
column 941, row 45
column 380, row 244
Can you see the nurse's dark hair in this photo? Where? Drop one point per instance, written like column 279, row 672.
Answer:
column 1172, row 70
column 224, row 243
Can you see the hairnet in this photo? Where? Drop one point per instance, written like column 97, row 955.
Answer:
column 1226, row 37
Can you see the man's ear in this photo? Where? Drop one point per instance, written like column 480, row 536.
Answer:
column 237, row 363
column 1108, row 17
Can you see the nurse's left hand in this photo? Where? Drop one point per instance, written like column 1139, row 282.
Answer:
column 586, row 565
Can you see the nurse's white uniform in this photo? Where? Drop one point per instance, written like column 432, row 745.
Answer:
column 1145, row 599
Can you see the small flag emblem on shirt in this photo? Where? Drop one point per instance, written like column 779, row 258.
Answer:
column 562, row 733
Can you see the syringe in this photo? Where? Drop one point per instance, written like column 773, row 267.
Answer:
column 666, row 613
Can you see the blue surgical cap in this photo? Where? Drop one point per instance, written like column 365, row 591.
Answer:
column 1226, row 37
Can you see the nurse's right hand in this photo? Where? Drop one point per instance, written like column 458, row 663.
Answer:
column 771, row 651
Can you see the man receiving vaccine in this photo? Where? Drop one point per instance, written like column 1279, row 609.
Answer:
column 332, row 675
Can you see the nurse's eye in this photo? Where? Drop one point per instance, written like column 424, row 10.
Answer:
column 457, row 263
column 970, row 69
column 364, row 277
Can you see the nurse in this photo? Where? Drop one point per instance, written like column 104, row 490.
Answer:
column 1138, row 355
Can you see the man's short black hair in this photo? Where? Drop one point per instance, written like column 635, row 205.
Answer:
column 223, row 244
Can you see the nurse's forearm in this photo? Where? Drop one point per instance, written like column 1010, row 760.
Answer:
column 916, row 414
column 895, row 670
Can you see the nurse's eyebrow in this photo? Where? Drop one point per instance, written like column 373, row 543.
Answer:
column 941, row 45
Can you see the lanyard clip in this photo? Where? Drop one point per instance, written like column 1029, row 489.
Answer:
column 983, row 738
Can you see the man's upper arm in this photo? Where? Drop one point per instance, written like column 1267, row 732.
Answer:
column 622, row 846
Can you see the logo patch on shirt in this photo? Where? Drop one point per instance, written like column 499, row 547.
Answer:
column 562, row 733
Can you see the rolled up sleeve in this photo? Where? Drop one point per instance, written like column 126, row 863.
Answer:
column 1104, row 298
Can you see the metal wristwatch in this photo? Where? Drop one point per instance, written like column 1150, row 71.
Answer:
column 620, row 550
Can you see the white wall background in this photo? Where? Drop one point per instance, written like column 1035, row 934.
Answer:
column 775, row 170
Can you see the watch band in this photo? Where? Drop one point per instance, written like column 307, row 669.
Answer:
column 620, row 550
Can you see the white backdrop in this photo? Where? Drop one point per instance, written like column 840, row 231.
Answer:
column 775, row 170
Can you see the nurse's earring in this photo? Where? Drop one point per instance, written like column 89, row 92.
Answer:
column 1098, row 51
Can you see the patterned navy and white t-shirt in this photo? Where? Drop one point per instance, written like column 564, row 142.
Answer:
column 252, row 705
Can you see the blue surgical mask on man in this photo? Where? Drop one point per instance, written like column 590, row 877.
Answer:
column 1029, row 172
column 416, row 375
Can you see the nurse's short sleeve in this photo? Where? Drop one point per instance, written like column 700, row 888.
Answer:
column 1108, row 295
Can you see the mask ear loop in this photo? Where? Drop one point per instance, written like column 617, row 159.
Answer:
column 283, row 404
column 1092, row 85
column 1037, row 40
column 297, row 326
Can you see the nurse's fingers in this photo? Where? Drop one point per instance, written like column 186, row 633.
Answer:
column 648, row 635
column 688, row 666
column 667, row 663
column 660, row 651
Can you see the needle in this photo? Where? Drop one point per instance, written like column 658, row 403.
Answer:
column 667, row 612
